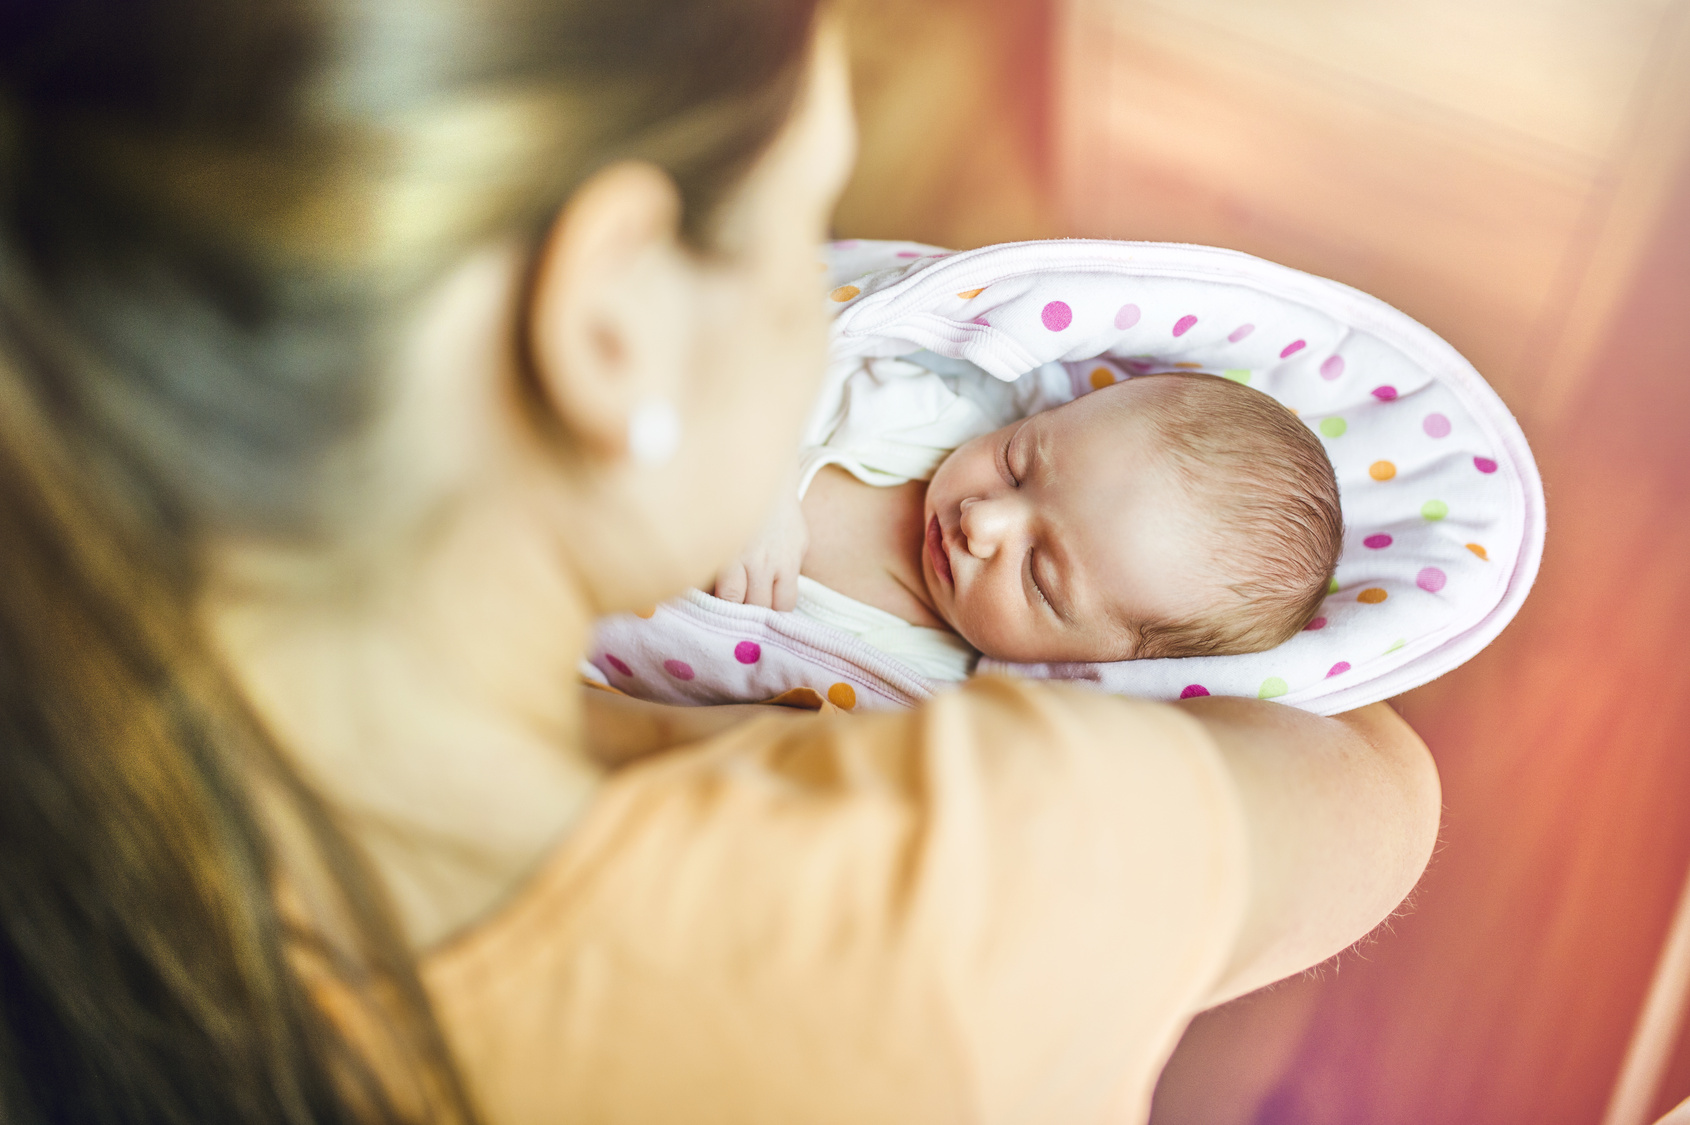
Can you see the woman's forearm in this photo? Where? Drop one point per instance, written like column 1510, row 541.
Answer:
column 1342, row 815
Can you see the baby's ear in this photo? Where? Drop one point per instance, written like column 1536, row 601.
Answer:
column 1132, row 635
column 610, row 309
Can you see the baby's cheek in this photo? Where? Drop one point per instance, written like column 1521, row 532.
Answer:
column 985, row 622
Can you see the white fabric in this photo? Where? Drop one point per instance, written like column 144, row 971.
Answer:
column 935, row 653
column 891, row 420
column 1442, row 501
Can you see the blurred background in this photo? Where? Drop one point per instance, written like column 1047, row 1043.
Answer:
column 1516, row 175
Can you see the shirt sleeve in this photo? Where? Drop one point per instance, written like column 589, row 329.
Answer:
column 1003, row 906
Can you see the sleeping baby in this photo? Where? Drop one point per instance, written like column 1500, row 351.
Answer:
column 941, row 514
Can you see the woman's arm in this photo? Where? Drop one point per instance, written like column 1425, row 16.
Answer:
column 619, row 728
column 1341, row 816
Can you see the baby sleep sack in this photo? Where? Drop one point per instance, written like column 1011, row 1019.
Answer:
column 1443, row 506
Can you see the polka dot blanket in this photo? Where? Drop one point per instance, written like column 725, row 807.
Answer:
column 1442, row 502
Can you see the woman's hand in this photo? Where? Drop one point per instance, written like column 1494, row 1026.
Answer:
column 766, row 573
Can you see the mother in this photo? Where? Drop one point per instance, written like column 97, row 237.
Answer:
column 356, row 353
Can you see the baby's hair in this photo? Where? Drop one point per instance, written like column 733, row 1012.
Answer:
column 1265, row 476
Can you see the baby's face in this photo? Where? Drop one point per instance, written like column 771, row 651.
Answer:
column 1048, row 537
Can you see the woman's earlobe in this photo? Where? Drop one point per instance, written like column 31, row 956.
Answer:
column 609, row 313
column 654, row 433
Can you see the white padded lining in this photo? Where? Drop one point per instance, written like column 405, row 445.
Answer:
column 1322, row 348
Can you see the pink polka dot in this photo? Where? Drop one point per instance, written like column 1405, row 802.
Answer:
column 1192, row 691
column 1057, row 316
column 1431, row 579
column 846, row 244
column 618, row 665
column 1332, row 368
column 1127, row 317
column 982, row 322
column 1377, row 542
column 1436, row 425
column 908, row 254
column 1139, row 366
column 1183, row 324
column 748, row 652
column 1385, row 393
column 1484, row 464
column 1317, row 623
column 678, row 669
column 1338, row 669
column 1240, row 332
column 1292, row 348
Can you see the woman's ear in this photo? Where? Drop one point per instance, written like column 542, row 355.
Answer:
column 610, row 318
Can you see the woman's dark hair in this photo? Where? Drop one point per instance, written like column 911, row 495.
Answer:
column 213, row 214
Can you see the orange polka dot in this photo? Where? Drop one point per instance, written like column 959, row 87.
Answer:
column 970, row 294
column 1189, row 366
column 1381, row 470
column 843, row 696
column 1373, row 595
column 1101, row 377
column 1478, row 550
column 845, row 293
column 648, row 612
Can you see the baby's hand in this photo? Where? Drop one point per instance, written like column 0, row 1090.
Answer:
column 766, row 573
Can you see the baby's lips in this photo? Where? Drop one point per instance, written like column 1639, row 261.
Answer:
column 937, row 556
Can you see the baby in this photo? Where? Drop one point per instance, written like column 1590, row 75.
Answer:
column 1177, row 514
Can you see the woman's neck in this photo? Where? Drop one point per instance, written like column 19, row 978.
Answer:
column 438, row 713
column 866, row 543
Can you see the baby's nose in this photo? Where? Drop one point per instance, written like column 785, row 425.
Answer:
column 984, row 525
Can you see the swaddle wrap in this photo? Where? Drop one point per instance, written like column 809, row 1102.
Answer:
column 1443, row 505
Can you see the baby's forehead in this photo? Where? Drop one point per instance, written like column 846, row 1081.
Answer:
column 1108, row 437
column 1130, row 474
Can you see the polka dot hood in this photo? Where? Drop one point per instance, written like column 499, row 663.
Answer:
column 1443, row 505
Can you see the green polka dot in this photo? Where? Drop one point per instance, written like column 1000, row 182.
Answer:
column 1272, row 687
column 1333, row 427
column 1237, row 374
column 1332, row 586
column 1396, row 644
column 1434, row 509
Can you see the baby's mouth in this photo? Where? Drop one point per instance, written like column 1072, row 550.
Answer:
column 936, row 553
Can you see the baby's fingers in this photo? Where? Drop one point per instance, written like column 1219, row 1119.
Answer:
column 785, row 596
column 759, row 588
column 732, row 583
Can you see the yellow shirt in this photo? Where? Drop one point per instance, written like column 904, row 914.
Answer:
column 1003, row 906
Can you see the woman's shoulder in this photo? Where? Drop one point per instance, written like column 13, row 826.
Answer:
column 958, row 894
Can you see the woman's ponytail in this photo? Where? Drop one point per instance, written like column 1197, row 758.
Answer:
column 146, row 970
